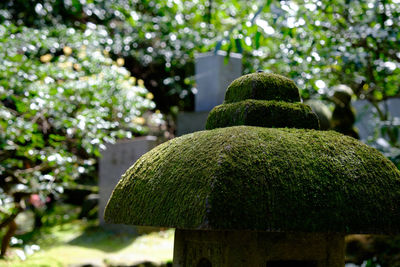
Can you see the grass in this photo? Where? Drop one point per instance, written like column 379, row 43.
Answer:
column 80, row 242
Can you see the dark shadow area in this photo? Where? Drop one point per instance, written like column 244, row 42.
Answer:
column 291, row 264
column 107, row 240
column 203, row 262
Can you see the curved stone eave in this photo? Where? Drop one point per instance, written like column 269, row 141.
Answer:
column 265, row 179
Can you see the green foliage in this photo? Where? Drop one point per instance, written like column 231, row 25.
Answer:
column 255, row 178
column 77, row 241
column 61, row 99
column 158, row 39
column 318, row 44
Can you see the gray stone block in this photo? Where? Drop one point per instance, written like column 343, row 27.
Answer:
column 255, row 248
column 213, row 76
column 189, row 122
column 115, row 160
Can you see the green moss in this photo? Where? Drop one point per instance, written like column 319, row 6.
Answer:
column 259, row 178
column 262, row 86
column 263, row 113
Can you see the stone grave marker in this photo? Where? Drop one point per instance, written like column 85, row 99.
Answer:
column 115, row 160
column 213, row 75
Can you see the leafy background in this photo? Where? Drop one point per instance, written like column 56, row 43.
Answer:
column 76, row 74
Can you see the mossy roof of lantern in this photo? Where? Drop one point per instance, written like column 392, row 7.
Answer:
column 255, row 178
column 262, row 86
column 263, row 113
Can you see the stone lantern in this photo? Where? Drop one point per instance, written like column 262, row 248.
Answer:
column 262, row 186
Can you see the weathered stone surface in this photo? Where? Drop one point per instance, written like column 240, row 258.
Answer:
column 259, row 178
column 262, row 86
column 115, row 160
column 190, row 122
column 213, row 75
column 258, row 196
column 265, row 100
column 263, row 113
column 251, row 248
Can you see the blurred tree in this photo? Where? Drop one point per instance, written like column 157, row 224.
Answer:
column 157, row 39
column 350, row 42
column 318, row 43
column 61, row 99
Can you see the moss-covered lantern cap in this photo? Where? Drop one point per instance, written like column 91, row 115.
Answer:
column 262, row 86
column 257, row 178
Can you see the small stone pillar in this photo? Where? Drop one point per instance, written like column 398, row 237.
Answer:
column 262, row 186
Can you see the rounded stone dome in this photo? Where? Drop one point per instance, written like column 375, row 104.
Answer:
column 257, row 178
column 266, row 86
column 244, row 174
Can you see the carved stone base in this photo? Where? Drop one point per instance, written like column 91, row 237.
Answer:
column 200, row 248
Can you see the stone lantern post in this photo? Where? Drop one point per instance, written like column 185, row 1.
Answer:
column 262, row 186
